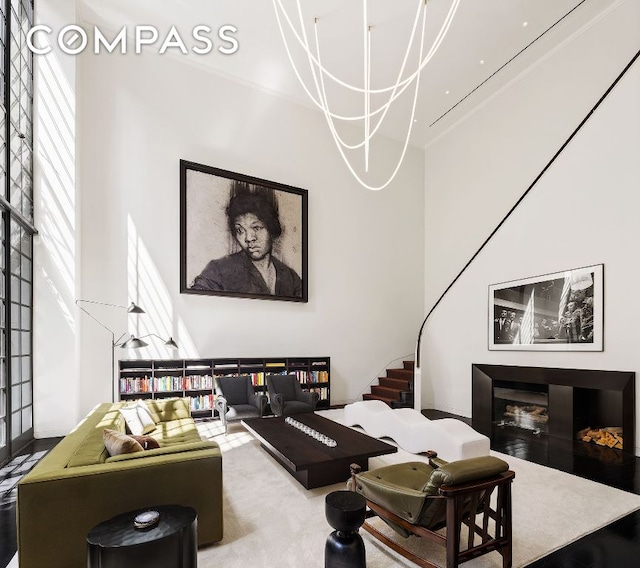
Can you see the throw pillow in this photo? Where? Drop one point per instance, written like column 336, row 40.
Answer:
column 118, row 443
column 138, row 419
column 147, row 442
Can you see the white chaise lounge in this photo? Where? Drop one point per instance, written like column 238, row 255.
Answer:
column 415, row 433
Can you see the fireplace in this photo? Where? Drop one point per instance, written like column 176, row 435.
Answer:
column 572, row 404
column 521, row 406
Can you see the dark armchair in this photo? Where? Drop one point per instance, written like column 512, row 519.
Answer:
column 237, row 400
column 286, row 397
column 417, row 498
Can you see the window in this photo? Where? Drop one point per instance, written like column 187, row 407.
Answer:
column 16, row 227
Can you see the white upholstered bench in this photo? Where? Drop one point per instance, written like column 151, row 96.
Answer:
column 415, row 433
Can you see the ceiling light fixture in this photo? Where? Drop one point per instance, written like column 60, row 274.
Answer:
column 370, row 118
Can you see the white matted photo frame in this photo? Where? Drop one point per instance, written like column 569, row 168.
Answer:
column 563, row 311
column 241, row 236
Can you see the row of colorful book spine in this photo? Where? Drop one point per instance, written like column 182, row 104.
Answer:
column 306, row 377
column 136, row 384
column 201, row 402
column 165, row 384
column 322, row 391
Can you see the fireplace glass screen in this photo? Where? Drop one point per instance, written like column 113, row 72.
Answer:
column 522, row 408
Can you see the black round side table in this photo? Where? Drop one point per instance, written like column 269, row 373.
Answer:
column 171, row 543
column 345, row 512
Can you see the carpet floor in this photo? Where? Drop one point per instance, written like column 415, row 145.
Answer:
column 271, row 520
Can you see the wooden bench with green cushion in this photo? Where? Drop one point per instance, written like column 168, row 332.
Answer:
column 78, row 485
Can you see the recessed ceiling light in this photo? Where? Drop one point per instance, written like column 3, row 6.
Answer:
column 447, row 92
column 525, row 24
column 482, row 62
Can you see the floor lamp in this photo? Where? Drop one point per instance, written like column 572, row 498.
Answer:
column 132, row 342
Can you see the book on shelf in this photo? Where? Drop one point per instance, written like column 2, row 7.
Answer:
column 130, row 385
column 198, row 382
column 322, row 391
column 320, row 376
column 168, row 383
column 306, row 377
column 226, row 375
column 257, row 379
column 201, row 402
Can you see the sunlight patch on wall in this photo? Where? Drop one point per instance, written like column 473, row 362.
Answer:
column 55, row 167
column 146, row 288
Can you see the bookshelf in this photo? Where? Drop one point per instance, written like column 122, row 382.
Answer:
column 193, row 378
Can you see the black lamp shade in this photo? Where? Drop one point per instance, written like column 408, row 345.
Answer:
column 135, row 309
column 133, row 343
column 171, row 343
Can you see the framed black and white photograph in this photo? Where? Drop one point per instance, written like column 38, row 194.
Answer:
column 553, row 312
column 241, row 236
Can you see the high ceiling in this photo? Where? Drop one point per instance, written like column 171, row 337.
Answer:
column 489, row 43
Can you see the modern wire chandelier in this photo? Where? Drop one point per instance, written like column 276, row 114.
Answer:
column 372, row 117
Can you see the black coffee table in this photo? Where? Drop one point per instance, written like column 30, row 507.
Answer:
column 311, row 462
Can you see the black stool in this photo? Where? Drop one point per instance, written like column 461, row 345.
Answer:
column 345, row 511
column 171, row 543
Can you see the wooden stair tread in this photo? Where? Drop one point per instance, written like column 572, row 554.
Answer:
column 368, row 396
column 400, row 374
column 401, row 384
column 396, row 389
column 386, row 391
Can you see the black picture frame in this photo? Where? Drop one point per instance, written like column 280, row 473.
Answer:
column 271, row 217
column 562, row 311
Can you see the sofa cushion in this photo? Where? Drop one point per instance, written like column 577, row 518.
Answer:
column 138, row 418
column 397, row 487
column 118, row 443
column 462, row 471
column 147, row 442
column 187, row 450
column 86, row 443
column 241, row 411
column 176, row 432
column 166, row 409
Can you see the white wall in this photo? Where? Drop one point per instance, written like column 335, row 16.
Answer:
column 583, row 211
column 138, row 116
column 56, row 380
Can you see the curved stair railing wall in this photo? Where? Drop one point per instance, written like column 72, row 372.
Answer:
column 417, row 369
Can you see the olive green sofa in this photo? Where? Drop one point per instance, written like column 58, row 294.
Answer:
column 78, row 485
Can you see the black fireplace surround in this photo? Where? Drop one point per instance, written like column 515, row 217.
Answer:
column 578, row 398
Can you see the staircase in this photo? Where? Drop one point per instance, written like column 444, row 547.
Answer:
column 396, row 389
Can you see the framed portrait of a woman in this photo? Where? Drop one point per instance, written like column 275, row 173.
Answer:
column 241, row 236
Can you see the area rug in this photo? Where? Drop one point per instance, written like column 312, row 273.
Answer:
column 272, row 521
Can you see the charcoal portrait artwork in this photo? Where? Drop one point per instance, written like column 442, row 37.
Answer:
column 241, row 236
column 554, row 312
